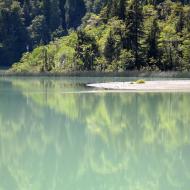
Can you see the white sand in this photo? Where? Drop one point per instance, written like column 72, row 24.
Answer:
column 172, row 85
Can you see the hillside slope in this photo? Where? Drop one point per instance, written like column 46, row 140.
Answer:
column 25, row 24
column 126, row 35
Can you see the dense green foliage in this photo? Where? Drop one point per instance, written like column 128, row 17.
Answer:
column 125, row 35
column 24, row 24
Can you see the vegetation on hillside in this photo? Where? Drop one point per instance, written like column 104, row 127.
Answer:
column 25, row 24
column 125, row 35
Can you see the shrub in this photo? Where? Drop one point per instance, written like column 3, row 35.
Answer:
column 141, row 81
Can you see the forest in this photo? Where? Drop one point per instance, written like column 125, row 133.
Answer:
column 98, row 35
column 25, row 24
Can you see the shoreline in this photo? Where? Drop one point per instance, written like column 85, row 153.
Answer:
column 169, row 74
column 148, row 86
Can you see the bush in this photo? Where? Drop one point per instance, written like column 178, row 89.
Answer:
column 141, row 81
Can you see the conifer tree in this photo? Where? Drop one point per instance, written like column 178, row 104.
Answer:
column 86, row 51
column 62, row 10
column 109, row 47
column 152, row 51
column 122, row 9
column 134, row 21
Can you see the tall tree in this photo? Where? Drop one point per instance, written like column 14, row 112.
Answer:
column 13, row 35
column 86, row 51
column 62, row 9
column 74, row 11
column 134, row 23
column 122, row 9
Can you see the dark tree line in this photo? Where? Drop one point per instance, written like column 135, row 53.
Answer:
column 147, row 34
column 122, row 35
column 24, row 24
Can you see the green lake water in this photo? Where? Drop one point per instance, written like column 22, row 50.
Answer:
column 56, row 134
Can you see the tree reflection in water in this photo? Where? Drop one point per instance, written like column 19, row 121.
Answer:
column 50, row 139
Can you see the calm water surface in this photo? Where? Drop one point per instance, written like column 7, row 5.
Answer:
column 55, row 134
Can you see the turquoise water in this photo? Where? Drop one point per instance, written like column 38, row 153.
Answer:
column 56, row 134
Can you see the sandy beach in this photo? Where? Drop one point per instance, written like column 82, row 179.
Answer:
column 170, row 85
